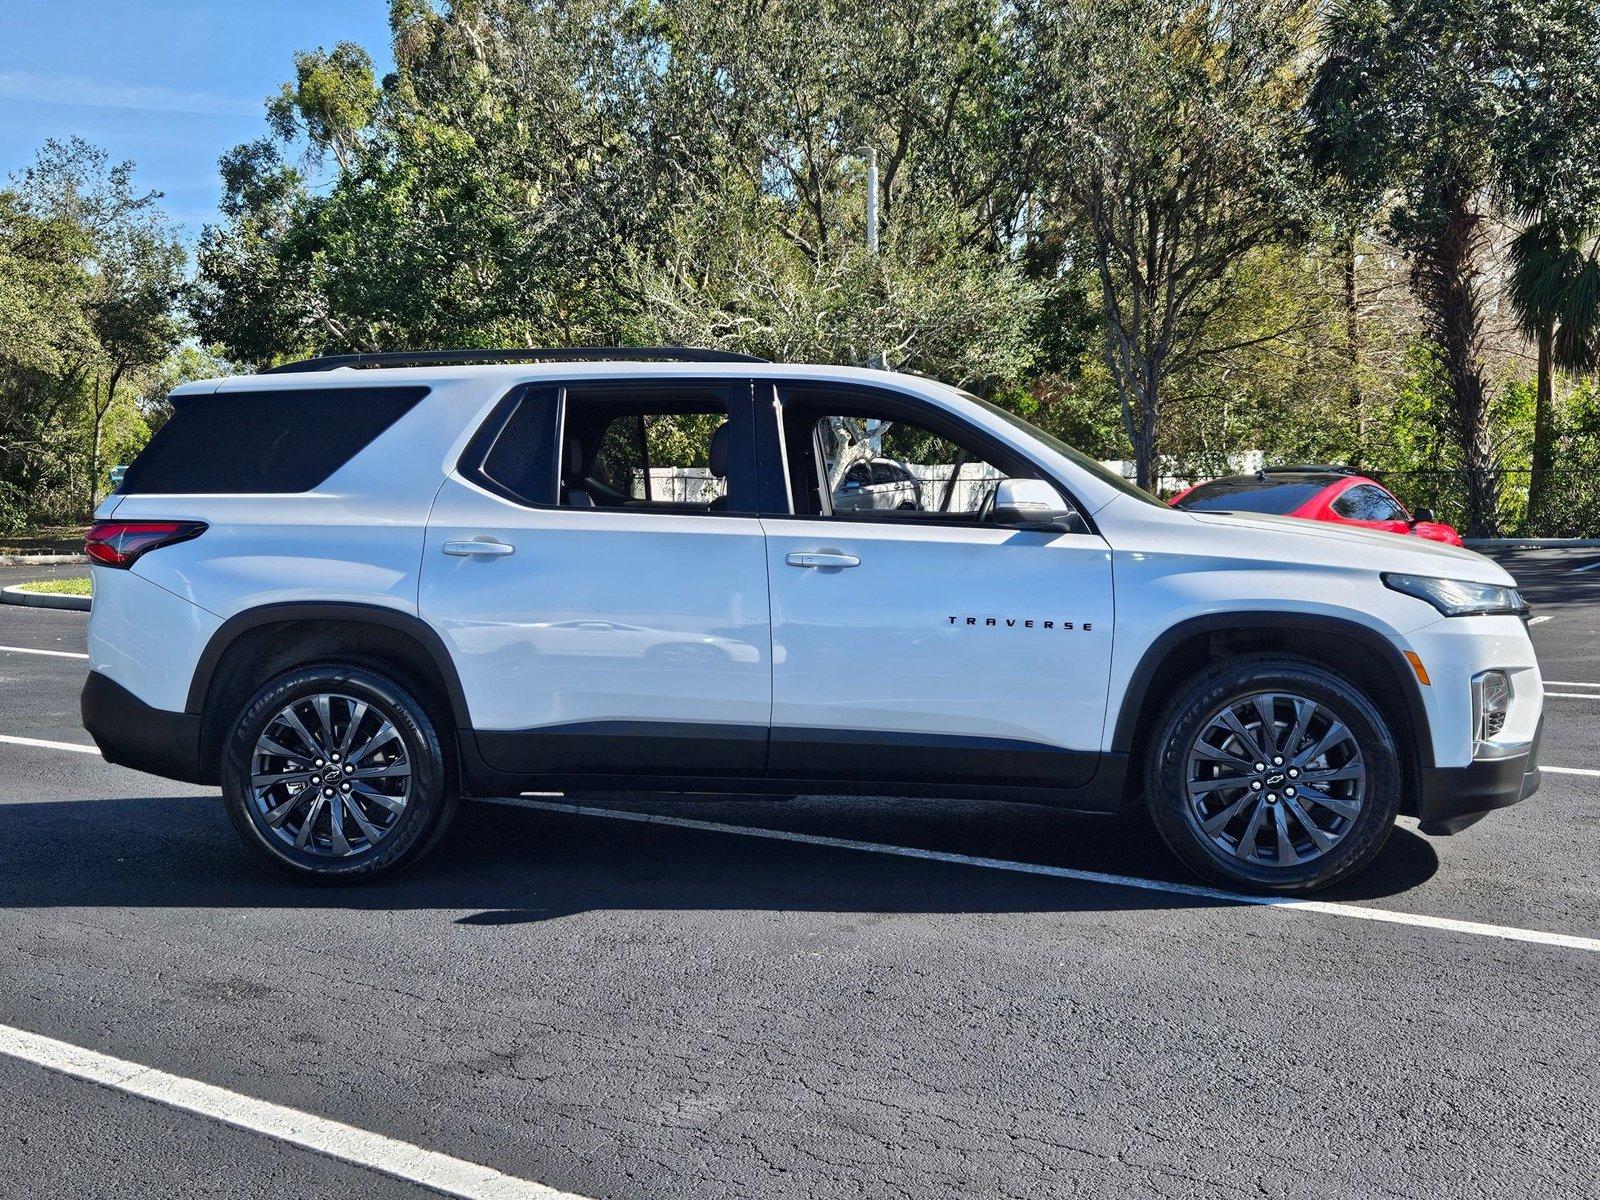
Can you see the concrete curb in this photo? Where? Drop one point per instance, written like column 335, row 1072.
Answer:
column 41, row 560
column 1528, row 543
column 15, row 595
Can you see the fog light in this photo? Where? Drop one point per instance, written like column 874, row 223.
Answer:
column 1492, row 690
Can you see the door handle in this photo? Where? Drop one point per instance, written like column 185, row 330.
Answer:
column 488, row 548
column 821, row 558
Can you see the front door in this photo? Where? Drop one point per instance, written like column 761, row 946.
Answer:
column 596, row 568
column 924, row 643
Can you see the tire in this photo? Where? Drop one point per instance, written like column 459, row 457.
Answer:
column 408, row 768
column 1350, row 792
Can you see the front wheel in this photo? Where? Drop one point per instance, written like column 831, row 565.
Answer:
column 1273, row 773
column 336, row 774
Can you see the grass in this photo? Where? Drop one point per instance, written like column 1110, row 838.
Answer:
column 58, row 539
column 59, row 587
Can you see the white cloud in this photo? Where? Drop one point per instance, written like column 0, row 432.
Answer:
column 21, row 85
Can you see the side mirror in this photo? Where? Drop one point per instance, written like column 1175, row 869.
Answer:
column 1032, row 504
column 1422, row 514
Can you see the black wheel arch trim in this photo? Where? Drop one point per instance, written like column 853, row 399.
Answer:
column 1134, row 697
column 350, row 612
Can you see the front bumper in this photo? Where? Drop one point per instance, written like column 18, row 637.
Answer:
column 133, row 734
column 1452, row 798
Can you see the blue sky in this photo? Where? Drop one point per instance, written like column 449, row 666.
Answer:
column 170, row 84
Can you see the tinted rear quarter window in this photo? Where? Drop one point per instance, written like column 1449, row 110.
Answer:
column 263, row 441
column 1254, row 495
column 514, row 454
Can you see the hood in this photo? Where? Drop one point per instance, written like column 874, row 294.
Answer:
column 1298, row 540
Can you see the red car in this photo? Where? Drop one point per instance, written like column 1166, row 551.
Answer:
column 1335, row 494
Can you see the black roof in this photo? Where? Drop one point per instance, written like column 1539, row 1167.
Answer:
column 475, row 357
column 1311, row 469
column 1309, row 473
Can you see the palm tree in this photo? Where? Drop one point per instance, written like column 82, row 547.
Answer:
column 1555, row 289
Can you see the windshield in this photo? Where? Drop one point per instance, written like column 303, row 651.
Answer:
column 1255, row 495
column 1077, row 456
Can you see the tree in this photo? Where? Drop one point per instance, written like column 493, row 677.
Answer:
column 1551, row 174
column 1171, row 135
column 1441, row 110
column 552, row 173
column 134, row 260
column 483, row 195
column 1555, row 287
column 45, row 338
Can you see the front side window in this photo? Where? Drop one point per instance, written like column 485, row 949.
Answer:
column 850, row 458
column 1368, row 502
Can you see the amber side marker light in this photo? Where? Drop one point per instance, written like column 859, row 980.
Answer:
column 1416, row 665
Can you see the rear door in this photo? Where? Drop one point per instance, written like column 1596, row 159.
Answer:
column 595, row 565
column 924, row 645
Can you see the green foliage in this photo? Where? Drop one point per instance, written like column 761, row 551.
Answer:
column 1574, row 498
column 1170, row 149
column 1450, row 108
column 1164, row 230
column 90, row 275
column 59, row 587
column 563, row 173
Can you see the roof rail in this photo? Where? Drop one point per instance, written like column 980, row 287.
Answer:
column 471, row 357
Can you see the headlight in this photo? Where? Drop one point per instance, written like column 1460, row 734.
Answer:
column 1458, row 597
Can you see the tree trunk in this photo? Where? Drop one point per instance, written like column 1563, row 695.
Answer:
column 1543, row 433
column 94, row 447
column 1147, row 465
column 100, row 411
column 1352, row 345
column 1449, row 286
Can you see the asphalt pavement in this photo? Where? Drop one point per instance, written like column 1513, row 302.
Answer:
column 618, row 1008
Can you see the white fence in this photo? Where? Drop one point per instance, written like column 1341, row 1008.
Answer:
column 696, row 485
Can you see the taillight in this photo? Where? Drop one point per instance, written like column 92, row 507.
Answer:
column 120, row 543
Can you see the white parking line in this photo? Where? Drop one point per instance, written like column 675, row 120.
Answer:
column 429, row 1168
column 1536, row 620
column 1571, row 696
column 1569, row 683
column 49, row 745
column 48, row 653
column 1326, row 907
column 1569, row 771
column 1581, row 570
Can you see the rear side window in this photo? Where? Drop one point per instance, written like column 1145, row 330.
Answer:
column 1267, row 495
column 654, row 447
column 263, row 441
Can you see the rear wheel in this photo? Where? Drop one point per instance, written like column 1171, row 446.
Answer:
column 1273, row 773
column 336, row 774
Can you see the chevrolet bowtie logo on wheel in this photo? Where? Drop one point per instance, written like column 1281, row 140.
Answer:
column 1039, row 623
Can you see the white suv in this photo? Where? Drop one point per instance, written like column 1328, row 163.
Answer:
column 354, row 589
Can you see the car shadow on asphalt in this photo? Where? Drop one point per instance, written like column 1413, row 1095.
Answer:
column 503, row 865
